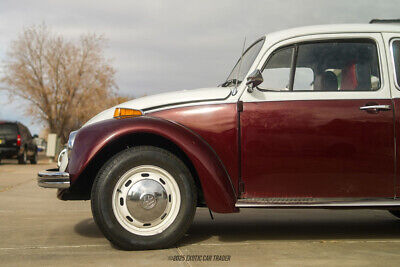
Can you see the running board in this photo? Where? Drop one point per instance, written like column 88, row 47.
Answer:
column 317, row 203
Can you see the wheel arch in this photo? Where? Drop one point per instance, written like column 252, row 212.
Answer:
column 131, row 140
column 211, row 178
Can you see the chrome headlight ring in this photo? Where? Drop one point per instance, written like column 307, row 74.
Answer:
column 63, row 157
column 62, row 154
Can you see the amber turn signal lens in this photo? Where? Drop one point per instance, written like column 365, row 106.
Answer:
column 124, row 113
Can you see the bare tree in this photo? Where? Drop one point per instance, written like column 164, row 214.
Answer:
column 64, row 82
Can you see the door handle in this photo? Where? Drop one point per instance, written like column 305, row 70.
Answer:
column 376, row 108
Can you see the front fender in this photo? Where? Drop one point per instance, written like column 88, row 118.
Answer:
column 217, row 187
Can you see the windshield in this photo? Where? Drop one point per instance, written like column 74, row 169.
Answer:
column 244, row 63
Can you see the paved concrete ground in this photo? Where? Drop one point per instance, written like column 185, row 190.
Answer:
column 39, row 230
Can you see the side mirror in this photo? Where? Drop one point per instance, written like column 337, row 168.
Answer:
column 255, row 79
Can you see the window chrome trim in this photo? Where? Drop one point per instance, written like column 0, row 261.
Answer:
column 393, row 63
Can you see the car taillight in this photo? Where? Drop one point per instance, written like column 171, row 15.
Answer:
column 18, row 140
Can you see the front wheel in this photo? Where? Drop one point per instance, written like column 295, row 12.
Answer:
column 144, row 198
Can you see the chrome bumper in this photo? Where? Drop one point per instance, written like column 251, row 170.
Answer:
column 53, row 178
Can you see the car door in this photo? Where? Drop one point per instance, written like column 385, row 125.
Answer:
column 321, row 123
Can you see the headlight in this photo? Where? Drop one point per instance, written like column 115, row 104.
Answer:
column 71, row 139
column 61, row 157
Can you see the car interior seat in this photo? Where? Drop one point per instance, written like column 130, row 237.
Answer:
column 356, row 77
column 363, row 76
column 349, row 78
column 329, row 81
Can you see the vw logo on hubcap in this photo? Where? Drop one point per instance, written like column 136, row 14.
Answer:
column 148, row 201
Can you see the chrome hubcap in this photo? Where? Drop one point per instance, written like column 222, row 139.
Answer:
column 146, row 200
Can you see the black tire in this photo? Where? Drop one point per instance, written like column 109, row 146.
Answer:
column 22, row 158
column 107, row 179
column 395, row 213
column 33, row 159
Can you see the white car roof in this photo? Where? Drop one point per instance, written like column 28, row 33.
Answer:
column 334, row 28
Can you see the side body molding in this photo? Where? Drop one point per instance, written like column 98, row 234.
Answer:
column 217, row 187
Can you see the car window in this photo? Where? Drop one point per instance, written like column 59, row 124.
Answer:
column 244, row 63
column 304, row 80
column 341, row 65
column 276, row 73
column 8, row 129
column 396, row 60
column 338, row 65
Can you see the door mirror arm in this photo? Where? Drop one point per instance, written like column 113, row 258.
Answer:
column 250, row 88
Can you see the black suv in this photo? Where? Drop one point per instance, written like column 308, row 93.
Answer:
column 17, row 142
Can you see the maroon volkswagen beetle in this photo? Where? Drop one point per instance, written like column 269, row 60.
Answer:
column 307, row 118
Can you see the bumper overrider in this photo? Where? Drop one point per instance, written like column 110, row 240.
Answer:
column 53, row 178
column 58, row 178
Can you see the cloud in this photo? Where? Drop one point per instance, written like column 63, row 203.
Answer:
column 159, row 46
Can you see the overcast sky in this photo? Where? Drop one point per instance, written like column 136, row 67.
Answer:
column 159, row 46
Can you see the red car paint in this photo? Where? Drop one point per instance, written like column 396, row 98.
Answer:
column 217, row 125
column 317, row 148
column 215, row 181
